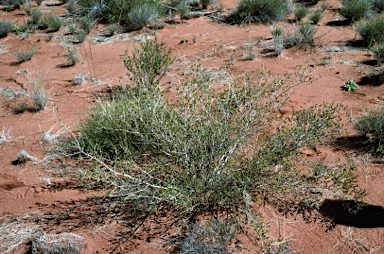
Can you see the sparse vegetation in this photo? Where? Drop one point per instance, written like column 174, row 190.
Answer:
column 21, row 107
column 39, row 91
column 148, row 65
column 112, row 29
column 53, row 22
column 121, row 11
column 356, row 9
column 371, row 31
column 86, row 24
column 316, row 16
column 3, row 137
column 371, row 124
column 61, row 243
column 350, row 85
column 27, row 55
column 23, row 157
column 182, row 7
column 5, row 28
column 261, row 11
column 379, row 51
column 301, row 11
column 72, row 56
column 36, row 15
column 302, row 36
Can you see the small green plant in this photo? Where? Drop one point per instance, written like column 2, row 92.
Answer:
column 27, row 55
column 356, row 9
column 149, row 64
column 300, row 11
column 19, row 29
column 371, row 31
column 350, row 85
column 371, row 124
column 39, row 2
column 72, row 56
column 53, row 22
column 5, row 28
column 316, row 16
column 260, row 11
column 58, row 243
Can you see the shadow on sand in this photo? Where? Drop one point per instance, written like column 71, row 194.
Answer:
column 370, row 216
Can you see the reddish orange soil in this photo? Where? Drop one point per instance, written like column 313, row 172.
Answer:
column 48, row 192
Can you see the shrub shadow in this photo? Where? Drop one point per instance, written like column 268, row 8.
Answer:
column 353, row 143
column 375, row 79
column 343, row 22
column 370, row 216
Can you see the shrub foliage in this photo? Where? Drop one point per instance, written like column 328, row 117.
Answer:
column 208, row 148
column 262, row 11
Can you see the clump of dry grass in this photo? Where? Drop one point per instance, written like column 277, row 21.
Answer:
column 39, row 92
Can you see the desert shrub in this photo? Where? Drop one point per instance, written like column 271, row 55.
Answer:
column 206, row 147
column 262, row 11
column 277, row 31
column 139, row 16
column 53, row 22
column 371, row 31
column 60, row 243
column 86, row 24
column 27, row 55
column 39, row 91
column 182, row 7
column 120, row 10
column 304, row 35
column 316, row 16
column 356, row 9
column 211, row 237
column 308, row 31
column 300, row 11
column 148, row 64
column 279, row 45
column 80, row 36
column 71, row 8
column 371, row 124
column 112, row 28
column 379, row 51
column 72, row 56
column 36, row 14
column 5, row 28
column 20, row 107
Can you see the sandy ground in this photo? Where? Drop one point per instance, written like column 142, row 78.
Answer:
column 50, row 195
